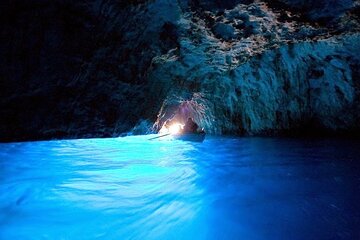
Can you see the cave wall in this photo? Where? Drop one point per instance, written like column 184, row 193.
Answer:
column 258, row 75
column 76, row 69
column 307, row 85
column 100, row 67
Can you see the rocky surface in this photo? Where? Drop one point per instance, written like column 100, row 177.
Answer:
column 102, row 67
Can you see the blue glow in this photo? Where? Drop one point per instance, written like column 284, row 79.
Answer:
column 224, row 188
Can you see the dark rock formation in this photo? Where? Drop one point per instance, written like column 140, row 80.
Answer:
column 101, row 67
column 76, row 69
column 320, row 10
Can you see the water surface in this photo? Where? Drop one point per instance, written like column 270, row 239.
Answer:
column 223, row 188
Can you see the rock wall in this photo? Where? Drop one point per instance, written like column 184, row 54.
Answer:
column 102, row 67
column 76, row 69
column 305, row 85
column 259, row 75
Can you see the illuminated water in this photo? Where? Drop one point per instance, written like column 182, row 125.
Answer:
column 224, row 188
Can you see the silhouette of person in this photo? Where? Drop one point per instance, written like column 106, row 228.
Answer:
column 190, row 126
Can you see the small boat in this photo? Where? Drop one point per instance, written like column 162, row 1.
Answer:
column 193, row 137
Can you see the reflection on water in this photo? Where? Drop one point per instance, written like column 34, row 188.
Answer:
column 224, row 188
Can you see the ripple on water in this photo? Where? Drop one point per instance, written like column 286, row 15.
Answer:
column 223, row 188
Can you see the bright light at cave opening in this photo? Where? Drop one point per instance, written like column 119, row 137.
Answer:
column 175, row 128
column 172, row 129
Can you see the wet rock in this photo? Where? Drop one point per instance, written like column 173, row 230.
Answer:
column 253, row 27
column 224, row 31
column 143, row 127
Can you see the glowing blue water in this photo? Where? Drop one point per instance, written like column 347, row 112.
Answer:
column 224, row 188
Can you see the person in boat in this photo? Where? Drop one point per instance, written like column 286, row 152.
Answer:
column 190, row 126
